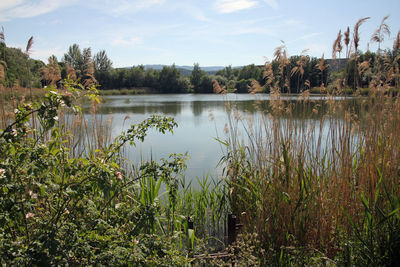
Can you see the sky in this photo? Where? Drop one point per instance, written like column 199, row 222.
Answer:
column 208, row 32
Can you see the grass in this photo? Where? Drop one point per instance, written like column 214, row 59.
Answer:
column 135, row 91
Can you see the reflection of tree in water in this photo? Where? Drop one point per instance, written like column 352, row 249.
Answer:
column 168, row 108
column 197, row 108
column 299, row 109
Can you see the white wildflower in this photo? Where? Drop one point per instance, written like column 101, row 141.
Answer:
column 29, row 215
column 33, row 195
column 14, row 132
column 2, row 173
column 55, row 118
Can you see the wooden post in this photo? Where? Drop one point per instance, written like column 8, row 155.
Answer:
column 190, row 223
column 231, row 228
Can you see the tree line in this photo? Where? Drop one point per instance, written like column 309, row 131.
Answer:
column 292, row 74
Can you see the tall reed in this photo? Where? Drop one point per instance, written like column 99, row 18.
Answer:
column 313, row 181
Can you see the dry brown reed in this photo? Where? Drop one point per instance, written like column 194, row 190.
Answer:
column 346, row 40
column 396, row 44
column 303, row 177
column 218, row 89
column 337, row 45
column 255, row 87
column 379, row 34
column 356, row 35
column 51, row 73
column 2, row 36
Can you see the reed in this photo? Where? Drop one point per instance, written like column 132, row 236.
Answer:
column 324, row 187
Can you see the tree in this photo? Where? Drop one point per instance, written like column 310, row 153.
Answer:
column 102, row 62
column 206, row 85
column 196, row 77
column 88, row 78
column 242, row 86
column 170, row 82
column 74, row 59
column 250, row 72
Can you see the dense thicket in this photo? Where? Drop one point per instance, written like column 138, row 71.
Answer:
column 16, row 68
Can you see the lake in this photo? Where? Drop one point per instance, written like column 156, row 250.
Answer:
column 201, row 119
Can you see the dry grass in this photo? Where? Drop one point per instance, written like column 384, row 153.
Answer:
column 322, row 175
column 297, row 181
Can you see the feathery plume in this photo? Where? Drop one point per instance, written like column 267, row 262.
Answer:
column 396, row 44
column 217, row 88
column 346, row 39
column 363, row 66
column 356, row 35
column 29, row 45
column 2, row 37
column 383, row 29
column 337, row 45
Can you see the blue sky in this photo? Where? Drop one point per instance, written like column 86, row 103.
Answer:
column 210, row 32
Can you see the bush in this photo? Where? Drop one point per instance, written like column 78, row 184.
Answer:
column 57, row 209
column 242, row 86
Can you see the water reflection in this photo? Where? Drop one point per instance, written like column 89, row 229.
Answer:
column 201, row 119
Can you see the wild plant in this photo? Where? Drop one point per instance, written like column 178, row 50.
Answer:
column 60, row 209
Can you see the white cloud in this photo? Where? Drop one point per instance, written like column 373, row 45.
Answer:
column 127, row 41
column 6, row 4
column 272, row 3
column 305, row 37
column 27, row 9
column 122, row 7
column 228, row 6
column 12, row 9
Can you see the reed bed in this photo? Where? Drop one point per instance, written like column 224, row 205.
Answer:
column 327, row 185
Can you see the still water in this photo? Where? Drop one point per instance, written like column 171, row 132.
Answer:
column 201, row 119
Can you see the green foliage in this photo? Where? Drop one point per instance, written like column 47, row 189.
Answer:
column 16, row 63
column 171, row 81
column 57, row 209
column 196, row 77
column 242, row 86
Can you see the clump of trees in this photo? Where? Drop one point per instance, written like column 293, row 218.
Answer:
column 17, row 69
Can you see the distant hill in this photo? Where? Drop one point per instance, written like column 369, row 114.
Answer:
column 183, row 69
column 189, row 68
column 335, row 65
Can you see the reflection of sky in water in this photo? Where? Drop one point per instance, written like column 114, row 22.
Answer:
column 195, row 132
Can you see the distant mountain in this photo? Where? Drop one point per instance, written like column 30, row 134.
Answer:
column 190, row 68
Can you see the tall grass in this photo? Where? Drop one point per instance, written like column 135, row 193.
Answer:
column 317, row 182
